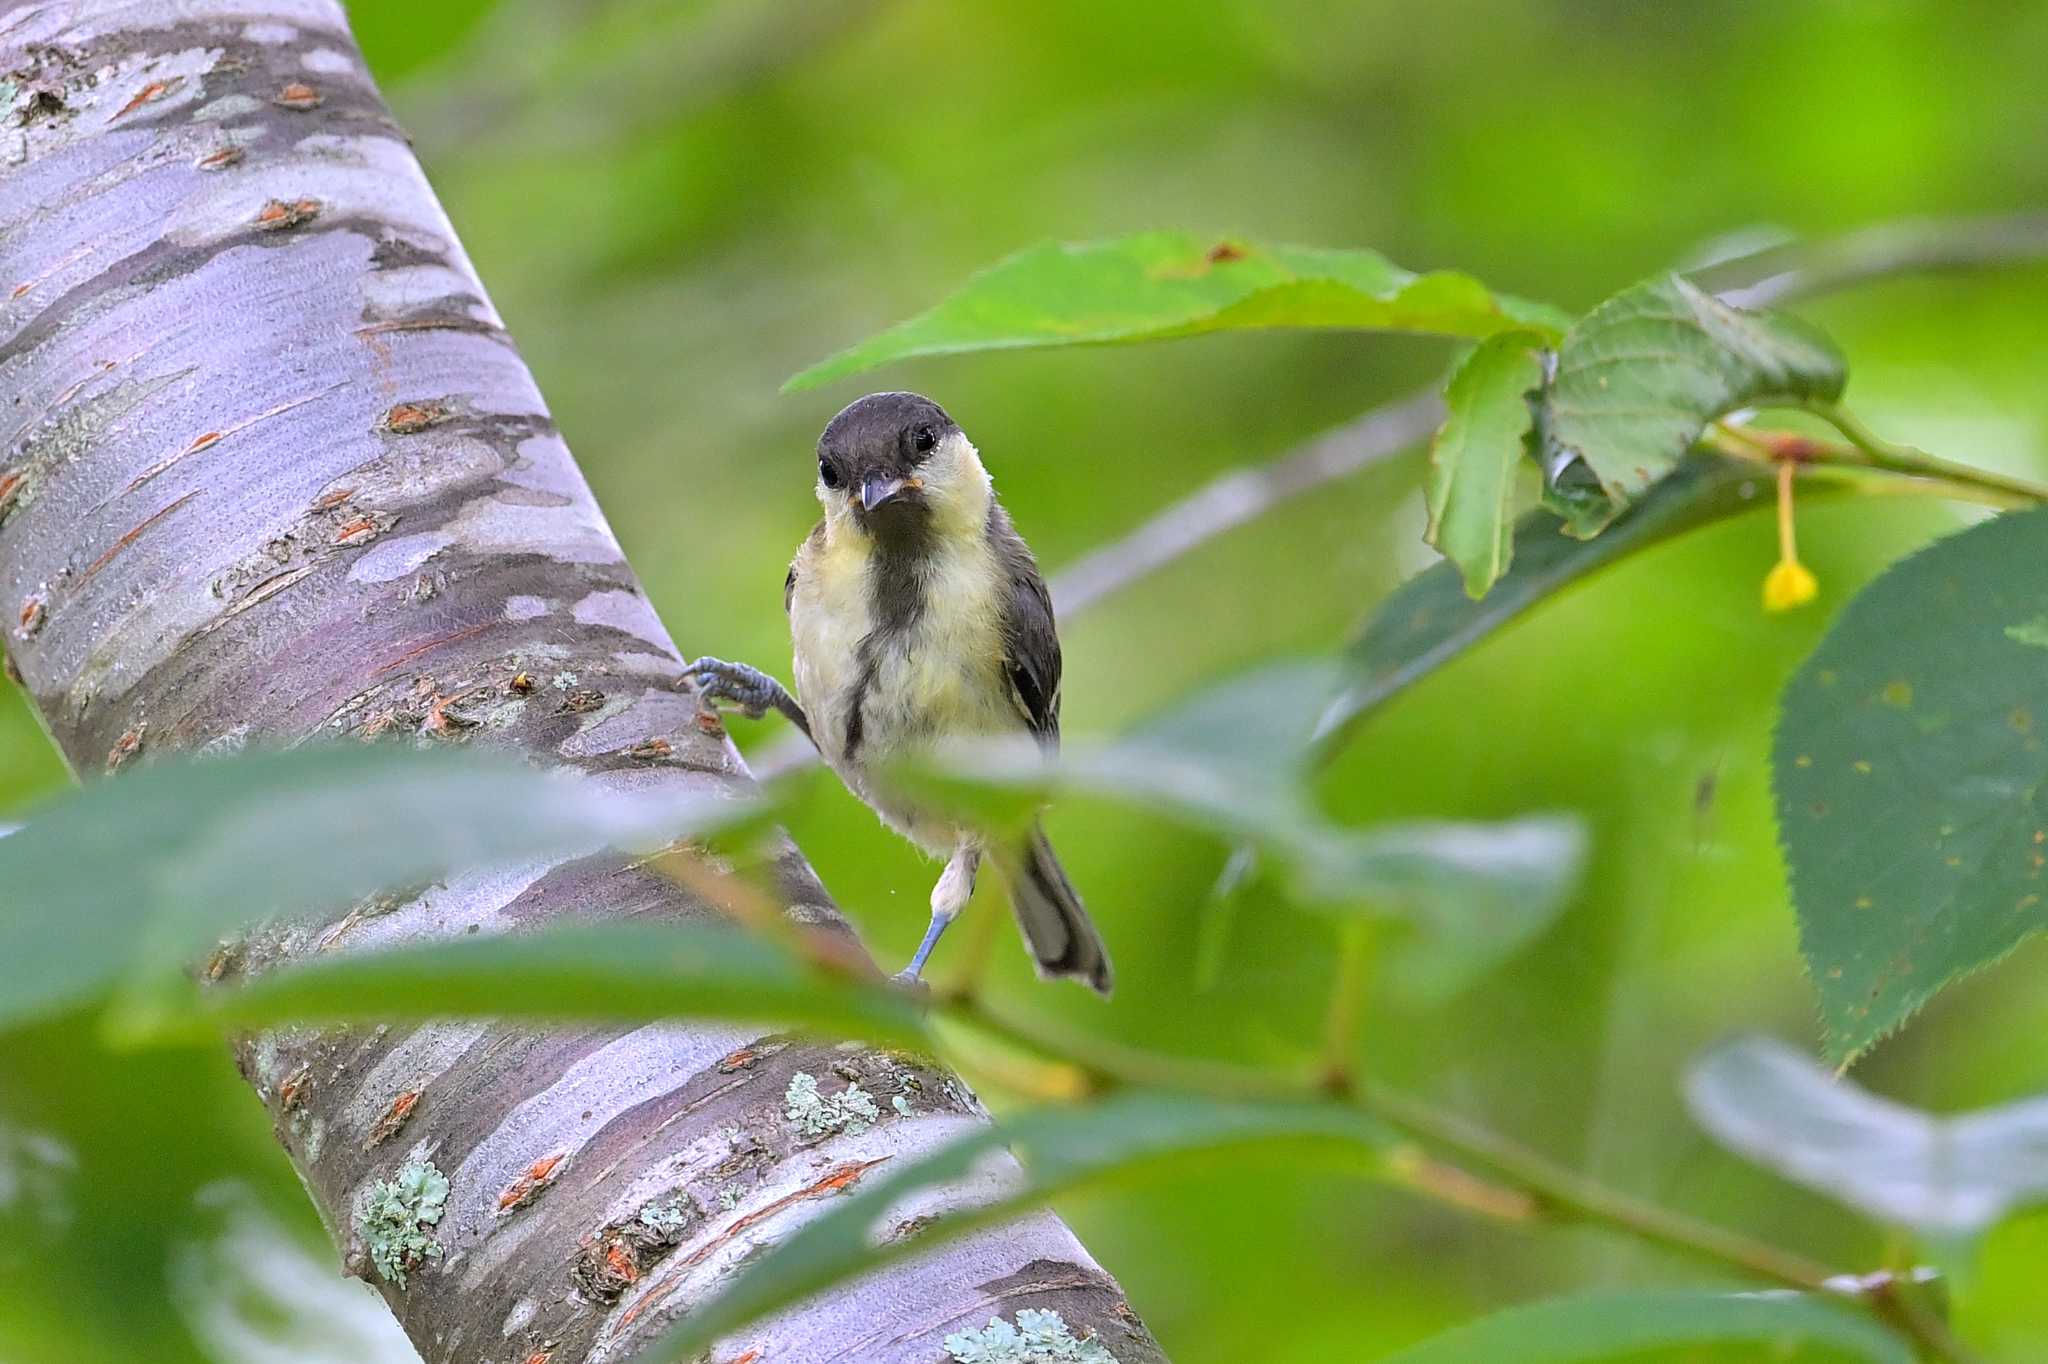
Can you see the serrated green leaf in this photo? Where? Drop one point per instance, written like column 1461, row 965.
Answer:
column 1061, row 1148
column 139, row 872
column 611, row 971
column 1159, row 285
column 1951, row 1176
column 1698, row 1327
column 1640, row 376
column 1473, row 459
column 1909, row 774
column 1429, row 620
column 1232, row 761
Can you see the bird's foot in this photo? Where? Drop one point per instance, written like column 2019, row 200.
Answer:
column 754, row 691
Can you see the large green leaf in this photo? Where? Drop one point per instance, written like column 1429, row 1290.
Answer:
column 1429, row 620
column 1640, row 376
column 1472, row 461
column 1668, row 1327
column 623, row 971
column 1953, row 1176
column 1158, row 285
column 1909, row 771
column 1232, row 761
column 1060, row 1148
column 139, row 872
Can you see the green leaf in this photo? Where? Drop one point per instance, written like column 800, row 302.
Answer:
column 1061, row 1148
column 1640, row 377
column 1473, row 459
column 613, row 971
column 1428, row 620
column 1909, row 775
column 1232, row 761
column 1158, row 285
column 137, row 874
column 1951, row 1176
column 1739, row 1328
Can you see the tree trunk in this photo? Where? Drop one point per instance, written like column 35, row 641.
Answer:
column 273, row 469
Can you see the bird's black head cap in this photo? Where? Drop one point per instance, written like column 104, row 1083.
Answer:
column 872, row 452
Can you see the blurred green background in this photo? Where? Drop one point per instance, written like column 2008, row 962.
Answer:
column 676, row 205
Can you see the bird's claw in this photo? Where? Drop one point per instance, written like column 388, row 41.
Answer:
column 717, row 680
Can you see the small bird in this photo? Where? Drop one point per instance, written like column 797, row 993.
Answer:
column 918, row 615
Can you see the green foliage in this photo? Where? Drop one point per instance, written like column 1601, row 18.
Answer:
column 612, row 972
column 1156, row 286
column 1061, row 1148
column 1946, row 1176
column 1429, row 620
column 137, row 875
column 1700, row 1328
column 1473, row 460
column 1640, row 376
column 1232, row 761
column 1908, row 764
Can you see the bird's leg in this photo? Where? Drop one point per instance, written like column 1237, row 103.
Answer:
column 949, row 897
column 756, row 692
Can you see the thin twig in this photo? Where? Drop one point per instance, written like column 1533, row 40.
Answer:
column 1533, row 1183
column 1775, row 275
column 1797, row 270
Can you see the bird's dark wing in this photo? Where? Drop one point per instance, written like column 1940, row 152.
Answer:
column 789, row 583
column 1031, row 643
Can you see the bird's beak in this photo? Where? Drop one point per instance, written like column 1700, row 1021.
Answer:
column 878, row 488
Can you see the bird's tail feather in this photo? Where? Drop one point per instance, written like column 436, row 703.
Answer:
column 1057, row 930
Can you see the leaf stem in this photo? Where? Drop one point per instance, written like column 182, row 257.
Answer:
column 1849, row 464
column 1550, row 1189
column 1896, row 458
column 1347, row 1003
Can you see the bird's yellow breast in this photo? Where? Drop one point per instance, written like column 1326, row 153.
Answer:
column 940, row 675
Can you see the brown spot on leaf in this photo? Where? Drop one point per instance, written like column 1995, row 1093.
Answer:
column 395, row 1117
column 297, row 95
column 1223, row 253
column 277, row 215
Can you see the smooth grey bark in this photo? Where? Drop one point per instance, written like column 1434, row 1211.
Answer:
column 273, row 469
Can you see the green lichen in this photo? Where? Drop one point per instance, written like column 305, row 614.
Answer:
column 667, row 1217
column 1037, row 1338
column 395, row 1218
column 901, row 1104
column 815, row 1115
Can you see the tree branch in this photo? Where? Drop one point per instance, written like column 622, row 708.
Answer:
column 274, row 472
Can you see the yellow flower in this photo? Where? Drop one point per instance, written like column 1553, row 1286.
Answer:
column 1789, row 584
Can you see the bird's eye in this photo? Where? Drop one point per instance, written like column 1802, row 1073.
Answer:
column 924, row 440
column 828, row 473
